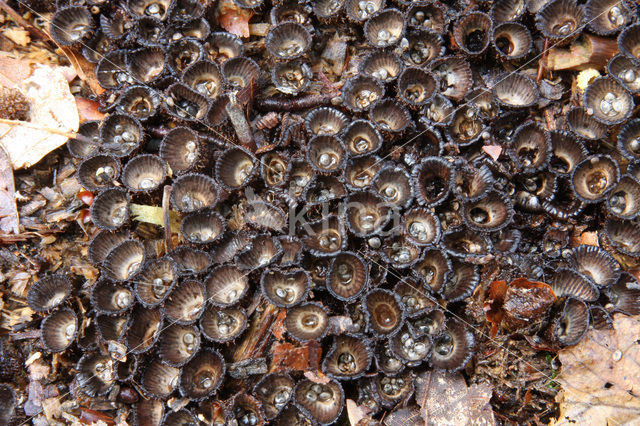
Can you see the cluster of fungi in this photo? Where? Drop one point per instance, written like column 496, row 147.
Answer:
column 334, row 173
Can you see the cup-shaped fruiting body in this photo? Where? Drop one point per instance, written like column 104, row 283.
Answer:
column 300, row 176
column 158, row 9
column 326, row 153
column 366, row 213
column 490, row 213
column 624, row 236
column 323, row 403
column 140, row 102
column 432, row 269
column 308, row 321
column 226, row 285
column 482, row 99
column 453, row 348
column 120, row 135
column 507, row 10
column 400, row 252
column 438, row 111
column 193, row 192
column 625, row 72
column 584, row 125
column 561, row 21
column 360, row 11
column 180, row 148
column 467, row 126
column 624, row 296
column 508, row 240
column 454, row 74
column 567, row 282
column 421, row 226
column 606, row 17
column 432, row 180
column 263, row 215
column 512, row 41
column 467, row 244
column 390, row 116
column 230, row 245
column 143, row 329
column 240, row 72
column 245, row 409
column 360, row 172
column 629, row 140
column 205, row 78
column 184, row 10
column 472, row 183
column 393, row 389
column 532, row 190
column 263, row 251
column 148, row 31
column 111, row 327
column 429, row 15
column 288, row 40
column 274, row 391
column 292, row 415
column 197, row 28
column 90, row 144
column 516, row 90
column 183, row 53
column 291, row 250
column 348, row 276
column 566, row 152
column 59, row 330
column 323, row 189
column 461, row 281
column 595, row 177
column 221, row 46
column 109, row 298
column 416, row 86
column 111, row 71
column 155, row 281
column 144, row 173
column 222, row 324
column 98, row 172
column 610, row 102
column 472, row 33
column 596, row 264
column 291, row 77
column 185, row 303
column 629, row 42
column 275, row 168
column 285, row 288
column 624, row 200
column 414, row 301
column 385, row 28
column 328, row 10
column 146, row 64
column 348, row 359
column 565, row 203
column 110, row 209
column 410, row 348
column 386, row 361
column 430, row 324
column 186, row 104
column 424, row 46
column 384, row 312
column 71, row 24
column 393, row 184
column 148, row 411
column 96, row 373
column 325, row 121
column 125, row 260
column 158, row 379
column 383, row 65
column 182, row 417
column 362, row 92
column 572, row 323
column 202, row 227
column 102, row 243
column 202, row 376
column 119, row 24
column 289, row 12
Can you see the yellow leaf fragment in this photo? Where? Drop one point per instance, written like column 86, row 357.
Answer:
column 153, row 215
column 18, row 35
column 585, row 78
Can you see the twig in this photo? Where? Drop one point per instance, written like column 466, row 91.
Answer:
column 69, row 134
column 543, row 57
column 166, row 217
column 18, row 19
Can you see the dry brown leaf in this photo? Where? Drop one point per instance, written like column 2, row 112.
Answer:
column 9, row 222
column 600, row 376
column 88, row 109
column 409, row 416
column 14, row 70
column 18, row 35
column 493, row 151
column 84, row 68
column 356, row 412
column 445, row 399
column 51, row 106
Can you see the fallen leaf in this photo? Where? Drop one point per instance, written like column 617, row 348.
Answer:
column 14, row 70
column 233, row 18
column 356, row 412
column 600, row 376
column 18, row 35
column 588, row 238
column 409, row 416
column 84, row 68
column 317, row 376
column 9, row 222
column 51, row 107
column 287, row 357
column 88, row 109
column 445, row 399
column 153, row 214
column 493, row 151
